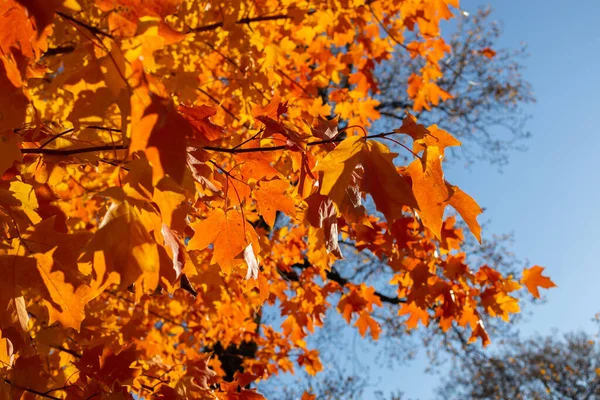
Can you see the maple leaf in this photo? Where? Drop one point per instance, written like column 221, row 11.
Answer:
column 126, row 14
column 337, row 168
column 13, row 106
column 171, row 200
column 467, row 208
column 108, row 366
column 390, row 190
column 6, row 352
column 427, row 137
column 256, row 165
column 177, row 250
column 310, row 361
column 14, row 320
column 433, row 194
column 326, row 130
column 226, row 230
column 161, row 133
column 273, row 110
column 199, row 118
column 126, row 248
column 489, row 53
column 43, row 237
column 321, row 214
column 533, row 279
column 270, row 196
column 480, row 332
column 415, row 313
column 19, row 273
column 43, row 11
column 19, row 33
column 65, row 303
column 364, row 322
column 26, row 368
column 9, row 149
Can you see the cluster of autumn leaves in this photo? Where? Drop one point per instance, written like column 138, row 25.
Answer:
column 157, row 193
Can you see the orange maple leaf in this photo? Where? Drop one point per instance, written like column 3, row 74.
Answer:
column 270, row 196
column 226, row 230
column 489, row 53
column 533, row 279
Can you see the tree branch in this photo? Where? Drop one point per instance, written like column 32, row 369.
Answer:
column 247, row 20
column 70, row 152
column 84, row 25
column 65, row 350
column 42, row 394
column 335, row 276
column 234, row 150
column 393, row 104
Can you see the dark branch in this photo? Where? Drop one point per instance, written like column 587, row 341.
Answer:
column 84, row 25
column 235, row 150
column 70, row 152
column 65, row 350
column 53, row 51
column 53, row 138
column 247, row 20
column 42, row 394
column 335, row 276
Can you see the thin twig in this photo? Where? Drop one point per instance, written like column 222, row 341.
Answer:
column 247, row 20
column 53, row 138
column 68, row 351
column 47, row 396
column 84, row 25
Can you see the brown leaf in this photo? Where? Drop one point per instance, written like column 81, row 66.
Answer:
column 321, row 214
column 161, row 133
column 199, row 118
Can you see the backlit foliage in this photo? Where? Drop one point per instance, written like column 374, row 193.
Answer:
column 171, row 166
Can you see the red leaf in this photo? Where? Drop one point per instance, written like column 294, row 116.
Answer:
column 199, row 118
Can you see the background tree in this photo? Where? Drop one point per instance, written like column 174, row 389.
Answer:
column 542, row 367
column 485, row 81
column 489, row 92
column 170, row 167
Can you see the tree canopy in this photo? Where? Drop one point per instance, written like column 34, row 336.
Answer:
column 170, row 167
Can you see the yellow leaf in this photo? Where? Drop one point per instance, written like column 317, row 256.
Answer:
column 26, row 196
column 337, row 168
column 65, row 303
column 127, row 247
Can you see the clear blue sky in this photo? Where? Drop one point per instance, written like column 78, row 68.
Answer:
column 549, row 196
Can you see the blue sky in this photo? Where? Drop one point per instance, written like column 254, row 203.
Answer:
column 548, row 196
